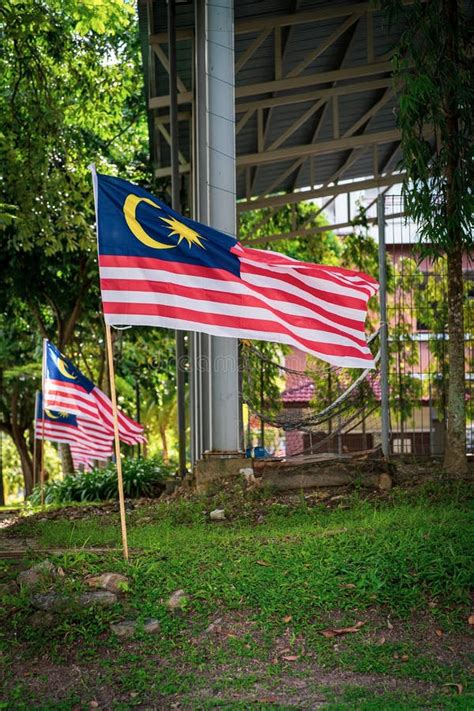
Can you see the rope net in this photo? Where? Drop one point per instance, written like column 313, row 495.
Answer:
column 299, row 405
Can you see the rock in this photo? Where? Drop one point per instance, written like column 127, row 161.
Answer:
column 247, row 473
column 151, row 626
column 40, row 619
column 127, row 628
column 37, row 574
column 101, row 598
column 10, row 588
column 170, row 486
column 385, row 482
column 51, row 602
column 214, row 626
column 113, row 582
column 177, row 601
column 217, row 515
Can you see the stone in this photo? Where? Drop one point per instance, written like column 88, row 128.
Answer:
column 10, row 588
column 177, row 601
column 127, row 628
column 217, row 515
column 385, row 482
column 214, row 626
column 51, row 602
column 249, row 476
column 40, row 619
column 37, row 574
column 151, row 626
column 101, row 598
column 113, row 582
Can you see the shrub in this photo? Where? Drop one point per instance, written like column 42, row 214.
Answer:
column 141, row 477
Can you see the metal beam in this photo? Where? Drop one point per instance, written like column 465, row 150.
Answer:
column 341, row 144
column 251, row 49
column 295, row 125
column 166, row 135
column 315, row 53
column 313, row 79
column 260, row 23
column 301, row 98
column 280, row 50
column 157, row 48
column 166, row 172
column 320, row 120
column 181, row 34
column 255, row 24
column 159, row 102
column 317, row 229
column 304, row 195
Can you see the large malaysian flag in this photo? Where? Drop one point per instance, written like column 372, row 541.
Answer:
column 159, row 268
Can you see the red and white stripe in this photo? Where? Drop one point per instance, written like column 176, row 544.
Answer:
column 67, row 434
column 79, row 459
column 93, row 410
column 318, row 309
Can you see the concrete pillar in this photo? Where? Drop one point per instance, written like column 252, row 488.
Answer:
column 215, row 383
column 219, row 18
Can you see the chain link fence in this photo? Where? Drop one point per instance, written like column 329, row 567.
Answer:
column 295, row 405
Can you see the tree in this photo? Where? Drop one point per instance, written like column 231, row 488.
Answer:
column 68, row 95
column 21, row 377
column 434, row 74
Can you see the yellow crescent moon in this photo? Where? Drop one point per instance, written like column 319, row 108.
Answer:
column 62, row 369
column 129, row 210
column 53, row 416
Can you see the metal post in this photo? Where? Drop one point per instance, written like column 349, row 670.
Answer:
column 384, row 352
column 200, row 363
column 137, row 409
column 222, row 208
column 175, row 203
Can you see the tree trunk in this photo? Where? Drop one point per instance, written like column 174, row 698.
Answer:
column 2, row 490
column 66, row 459
column 455, row 460
column 25, row 460
column 164, row 444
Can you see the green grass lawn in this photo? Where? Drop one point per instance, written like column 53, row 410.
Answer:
column 273, row 578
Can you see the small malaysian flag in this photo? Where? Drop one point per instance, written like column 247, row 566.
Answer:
column 159, row 268
column 66, row 389
column 79, row 459
column 62, row 427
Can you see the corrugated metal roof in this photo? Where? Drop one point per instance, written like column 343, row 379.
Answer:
column 351, row 50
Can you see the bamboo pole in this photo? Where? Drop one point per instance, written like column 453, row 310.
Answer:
column 43, row 378
column 35, row 441
column 113, row 396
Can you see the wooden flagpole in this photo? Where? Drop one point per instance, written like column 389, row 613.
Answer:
column 43, row 378
column 117, row 440
column 35, row 442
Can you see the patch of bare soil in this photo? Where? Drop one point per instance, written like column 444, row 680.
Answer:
column 307, row 686
column 300, row 680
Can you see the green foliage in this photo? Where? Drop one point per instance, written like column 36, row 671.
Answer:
column 71, row 93
column 319, row 247
column 141, row 477
column 433, row 69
